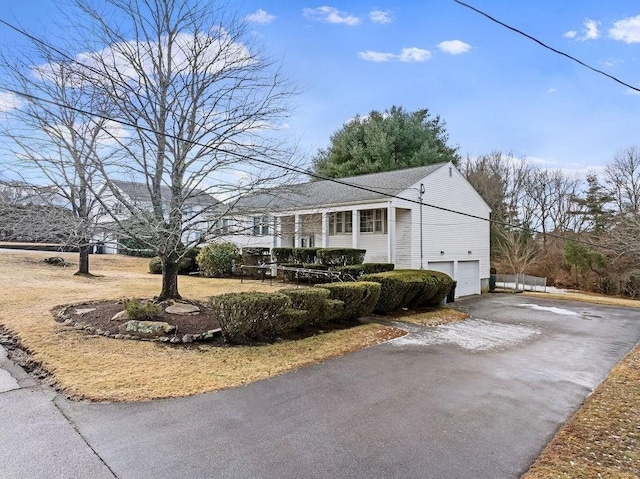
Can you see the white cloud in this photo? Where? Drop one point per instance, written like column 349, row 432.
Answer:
column 552, row 90
column 590, row 30
column 611, row 62
column 260, row 16
column 414, row 54
column 330, row 15
column 454, row 47
column 411, row 54
column 8, row 101
column 626, row 30
column 380, row 16
column 378, row 57
column 631, row 91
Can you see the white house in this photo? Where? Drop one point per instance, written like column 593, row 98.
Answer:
column 428, row 217
column 133, row 199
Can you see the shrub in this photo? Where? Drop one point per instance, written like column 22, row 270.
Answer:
column 217, row 259
column 305, row 255
column 409, row 288
column 141, row 311
column 155, row 265
column 357, row 270
column 341, row 256
column 282, row 255
column 319, row 267
column 359, row 298
column 249, row 316
column 320, row 309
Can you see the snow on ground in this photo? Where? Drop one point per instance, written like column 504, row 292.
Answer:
column 551, row 309
column 472, row 334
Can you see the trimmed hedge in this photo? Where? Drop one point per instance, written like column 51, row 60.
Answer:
column 341, row 256
column 359, row 298
column 409, row 288
column 155, row 265
column 357, row 270
column 282, row 255
column 252, row 316
column 316, row 302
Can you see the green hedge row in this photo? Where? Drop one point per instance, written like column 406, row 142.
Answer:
column 247, row 317
column 324, row 256
column 357, row 270
column 359, row 298
column 409, row 288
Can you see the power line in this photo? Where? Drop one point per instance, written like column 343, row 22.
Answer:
column 541, row 43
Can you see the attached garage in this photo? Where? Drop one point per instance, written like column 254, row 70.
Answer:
column 468, row 278
column 442, row 266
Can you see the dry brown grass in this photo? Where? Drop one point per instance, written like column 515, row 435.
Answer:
column 603, row 438
column 104, row 369
column 430, row 317
column 587, row 297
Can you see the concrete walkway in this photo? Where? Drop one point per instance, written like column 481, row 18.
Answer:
column 36, row 440
column 478, row 399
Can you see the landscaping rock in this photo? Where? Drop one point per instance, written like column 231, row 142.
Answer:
column 174, row 340
column 148, row 327
column 122, row 315
column 212, row 333
column 56, row 261
column 183, row 309
column 187, row 338
column 118, row 336
column 80, row 312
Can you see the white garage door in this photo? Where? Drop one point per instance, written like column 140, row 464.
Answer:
column 468, row 278
column 442, row 266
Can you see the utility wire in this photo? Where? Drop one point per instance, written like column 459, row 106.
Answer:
column 541, row 43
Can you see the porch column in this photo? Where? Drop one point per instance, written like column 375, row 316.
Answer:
column 391, row 233
column 325, row 230
column 355, row 227
column 297, row 231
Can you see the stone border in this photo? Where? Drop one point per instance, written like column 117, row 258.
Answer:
column 61, row 316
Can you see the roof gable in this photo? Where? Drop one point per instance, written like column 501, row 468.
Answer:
column 354, row 189
column 140, row 192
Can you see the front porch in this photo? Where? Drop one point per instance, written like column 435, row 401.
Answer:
column 384, row 231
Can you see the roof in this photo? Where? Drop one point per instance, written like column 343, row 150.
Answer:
column 140, row 192
column 354, row 189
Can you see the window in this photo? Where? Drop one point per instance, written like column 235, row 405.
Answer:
column 226, row 226
column 340, row 223
column 373, row 221
column 260, row 225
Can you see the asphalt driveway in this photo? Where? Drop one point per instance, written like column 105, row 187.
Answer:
column 476, row 400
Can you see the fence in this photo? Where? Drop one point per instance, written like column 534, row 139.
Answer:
column 520, row 282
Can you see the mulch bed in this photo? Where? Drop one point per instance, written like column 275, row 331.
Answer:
column 100, row 321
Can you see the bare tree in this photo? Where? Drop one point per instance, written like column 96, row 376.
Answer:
column 518, row 248
column 623, row 179
column 50, row 141
column 190, row 109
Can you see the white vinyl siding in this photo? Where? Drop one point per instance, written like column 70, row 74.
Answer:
column 403, row 239
column 376, row 246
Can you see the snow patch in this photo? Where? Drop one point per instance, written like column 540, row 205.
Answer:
column 472, row 334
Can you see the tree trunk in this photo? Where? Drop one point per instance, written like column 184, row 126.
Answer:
column 169, row 280
column 83, row 260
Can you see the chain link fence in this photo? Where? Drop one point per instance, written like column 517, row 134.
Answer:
column 520, row 282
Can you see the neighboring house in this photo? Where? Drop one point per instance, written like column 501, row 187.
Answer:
column 406, row 217
column 131, row 196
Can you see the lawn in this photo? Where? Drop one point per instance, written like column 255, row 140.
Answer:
column 103, row 369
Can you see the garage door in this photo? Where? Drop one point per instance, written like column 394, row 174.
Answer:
column 468, row 278
column 442, row 266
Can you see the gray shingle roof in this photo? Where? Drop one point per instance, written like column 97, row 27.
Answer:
column 140, row 192
column 325, row 193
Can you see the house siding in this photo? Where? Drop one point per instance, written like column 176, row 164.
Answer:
column 376, row 246
column 403, row 238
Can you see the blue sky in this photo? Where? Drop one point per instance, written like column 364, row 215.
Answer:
column 495, row 89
